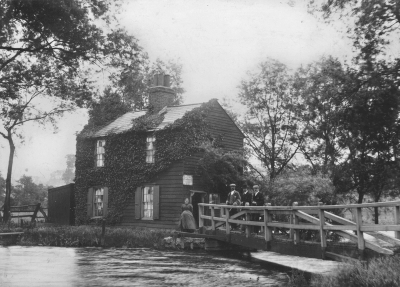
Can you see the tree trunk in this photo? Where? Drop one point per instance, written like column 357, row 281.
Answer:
column 7, row 200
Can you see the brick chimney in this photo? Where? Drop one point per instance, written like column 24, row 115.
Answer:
column 160, row 92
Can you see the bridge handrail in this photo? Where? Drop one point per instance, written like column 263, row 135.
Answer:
column 307, row 207
column 243, row 217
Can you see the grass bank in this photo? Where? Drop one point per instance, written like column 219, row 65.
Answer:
column 90, row 236
column 378, row 272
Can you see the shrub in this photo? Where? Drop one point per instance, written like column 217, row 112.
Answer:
column 378, row 272
column 90, row 236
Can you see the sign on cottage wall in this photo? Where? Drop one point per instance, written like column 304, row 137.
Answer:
column 187, row 179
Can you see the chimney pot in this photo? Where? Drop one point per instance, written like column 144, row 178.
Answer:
column 167, row 80
column 161, row 94
column 160, row 80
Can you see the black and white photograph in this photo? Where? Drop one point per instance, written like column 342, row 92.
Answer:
column 199, row 143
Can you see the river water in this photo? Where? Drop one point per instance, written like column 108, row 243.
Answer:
column 57, row 266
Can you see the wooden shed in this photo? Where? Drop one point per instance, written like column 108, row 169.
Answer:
column 61, row 205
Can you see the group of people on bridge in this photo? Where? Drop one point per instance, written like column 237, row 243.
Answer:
column 247, row 198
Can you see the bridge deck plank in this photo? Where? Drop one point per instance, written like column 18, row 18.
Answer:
column 310, row 265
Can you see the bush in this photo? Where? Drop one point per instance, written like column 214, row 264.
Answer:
column 378, row 272
column 90, row 236
column 303, row 187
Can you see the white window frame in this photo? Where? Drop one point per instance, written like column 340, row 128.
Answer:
column 147, row 203
column 150, row 149
column 98, row 201
column 100, row 153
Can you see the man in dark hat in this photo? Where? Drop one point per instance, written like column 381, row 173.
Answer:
column 233, row 199
column 247, row 197
column 258, row 200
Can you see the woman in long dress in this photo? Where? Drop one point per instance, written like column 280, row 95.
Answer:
column 187, row 222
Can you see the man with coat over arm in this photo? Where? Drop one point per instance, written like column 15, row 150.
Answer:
column 233, row 199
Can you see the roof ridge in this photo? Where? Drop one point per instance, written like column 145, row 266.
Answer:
column 186, row 105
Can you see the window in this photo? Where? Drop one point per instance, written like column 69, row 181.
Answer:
column 150, row 149
column 213, row 198
column 147, row 202
column 100, row 153
column 97, row 201
column 147, row 199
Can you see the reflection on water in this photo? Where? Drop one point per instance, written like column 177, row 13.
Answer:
column 55, row 266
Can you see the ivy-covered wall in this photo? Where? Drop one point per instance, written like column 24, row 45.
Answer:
column 125, row 158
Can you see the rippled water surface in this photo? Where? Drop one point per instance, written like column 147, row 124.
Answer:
column 54, row 266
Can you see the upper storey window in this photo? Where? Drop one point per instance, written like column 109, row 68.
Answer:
column 100, row 152
column 150, row 149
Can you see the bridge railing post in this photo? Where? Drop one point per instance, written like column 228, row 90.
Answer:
column 267, row 229
column 228, row 226
column 201, row 212
column 247, row 227
column 212, row 218
column 296, row 238
column 291, row 230
column 360, row 234
column 397, row 220
column 321, row 229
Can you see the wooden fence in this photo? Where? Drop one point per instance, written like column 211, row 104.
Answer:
column 27, row 211
column 318, row 218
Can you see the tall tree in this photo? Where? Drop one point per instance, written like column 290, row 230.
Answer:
column 271, row 123
column 2, row 189
column 46, row 48
column 374, row 27
column 370, row 133
column 322, row 85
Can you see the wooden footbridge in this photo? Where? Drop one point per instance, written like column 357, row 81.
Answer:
column 215, row 224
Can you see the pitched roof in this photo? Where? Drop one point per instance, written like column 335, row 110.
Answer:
column 125, row 122
column 175, row 112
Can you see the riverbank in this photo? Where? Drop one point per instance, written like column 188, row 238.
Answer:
column 89, row 236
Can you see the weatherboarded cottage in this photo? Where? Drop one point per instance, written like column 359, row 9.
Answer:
column 138, row 169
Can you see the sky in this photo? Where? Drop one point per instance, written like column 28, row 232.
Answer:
column 216, row 42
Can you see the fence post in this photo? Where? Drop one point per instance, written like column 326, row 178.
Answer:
column 397, row 220
column 248, row 227
column 212, row 218
column 267, row 229
column 360, row 234
column 35, row 212
column 321, row 229
column 228, row 226
column 103, row 231
column 296, row 221
column 291, row 230
column 201, row 220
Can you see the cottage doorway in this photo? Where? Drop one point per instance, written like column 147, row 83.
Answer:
column 196, row 197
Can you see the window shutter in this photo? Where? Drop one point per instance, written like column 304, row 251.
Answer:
column 156, row 202
column 105, row 201
column 95, row 153
column 90, row 202
column 138, row 202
